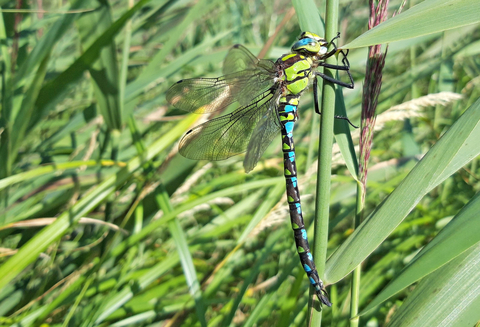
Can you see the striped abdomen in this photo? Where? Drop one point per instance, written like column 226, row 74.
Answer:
column 287, row 111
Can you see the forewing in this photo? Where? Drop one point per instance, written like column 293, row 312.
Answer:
column 228, row 135
column 267, row 128
column 246, row 77
column 261, row 73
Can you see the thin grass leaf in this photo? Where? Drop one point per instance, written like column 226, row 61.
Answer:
column 273, row 238
column 104, row 71
column 52, row 92
column 429, row 16
column 26, row 110
column 151, row 72
column 186, row 259
column 309, row 17
column 48, row 41
column 148, row 277
column 54, row 168
column 7, row 65
column 343, row 136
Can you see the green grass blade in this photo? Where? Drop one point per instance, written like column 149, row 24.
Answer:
column 151, row 72
column 104, row 71
column 26, row 110
column 189, row 271
column 48, row 41
column 308, row 16
column 186, row 259
column 455, row 149
column 55, row 168
column 448, row 297
column 30, row 251
column 429, row 16
column 150, row 76
column 253, row 273
column 458, row 236
column 143, row 281
column 4, row 49
column 124, row 63
column 343, row 137
column 51, row 93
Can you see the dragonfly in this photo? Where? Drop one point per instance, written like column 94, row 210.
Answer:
column 268, row 93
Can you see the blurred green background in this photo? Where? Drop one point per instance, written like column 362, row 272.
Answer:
column 103, row 223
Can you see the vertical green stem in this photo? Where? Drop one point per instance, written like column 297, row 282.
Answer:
column 356, row 274
column 124, row 64
column 324, row 160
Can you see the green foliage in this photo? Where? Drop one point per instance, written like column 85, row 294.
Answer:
column 85, row 132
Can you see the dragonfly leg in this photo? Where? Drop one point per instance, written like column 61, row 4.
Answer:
column 345, row 67
column 336, row 81
column 334, row 51
column 315, row 100
column 345, row 62
column 315, row 95
column 337, row 67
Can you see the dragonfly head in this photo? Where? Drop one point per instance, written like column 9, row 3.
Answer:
column 310, row 44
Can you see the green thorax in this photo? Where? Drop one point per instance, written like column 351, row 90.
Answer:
column 295, row 71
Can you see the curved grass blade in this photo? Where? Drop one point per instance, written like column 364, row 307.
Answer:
column 460, row 234
column 457, row 147
column 448, row 297
column 429, row 16
column 55, row 168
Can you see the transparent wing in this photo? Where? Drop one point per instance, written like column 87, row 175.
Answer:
column 267, row 128
column 246, row 77
column 228, row 135
column 240, row 58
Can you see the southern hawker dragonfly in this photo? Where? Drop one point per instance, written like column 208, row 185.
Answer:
column 268, row 93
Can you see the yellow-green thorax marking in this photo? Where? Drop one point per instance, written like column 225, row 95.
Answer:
column 296, row 69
